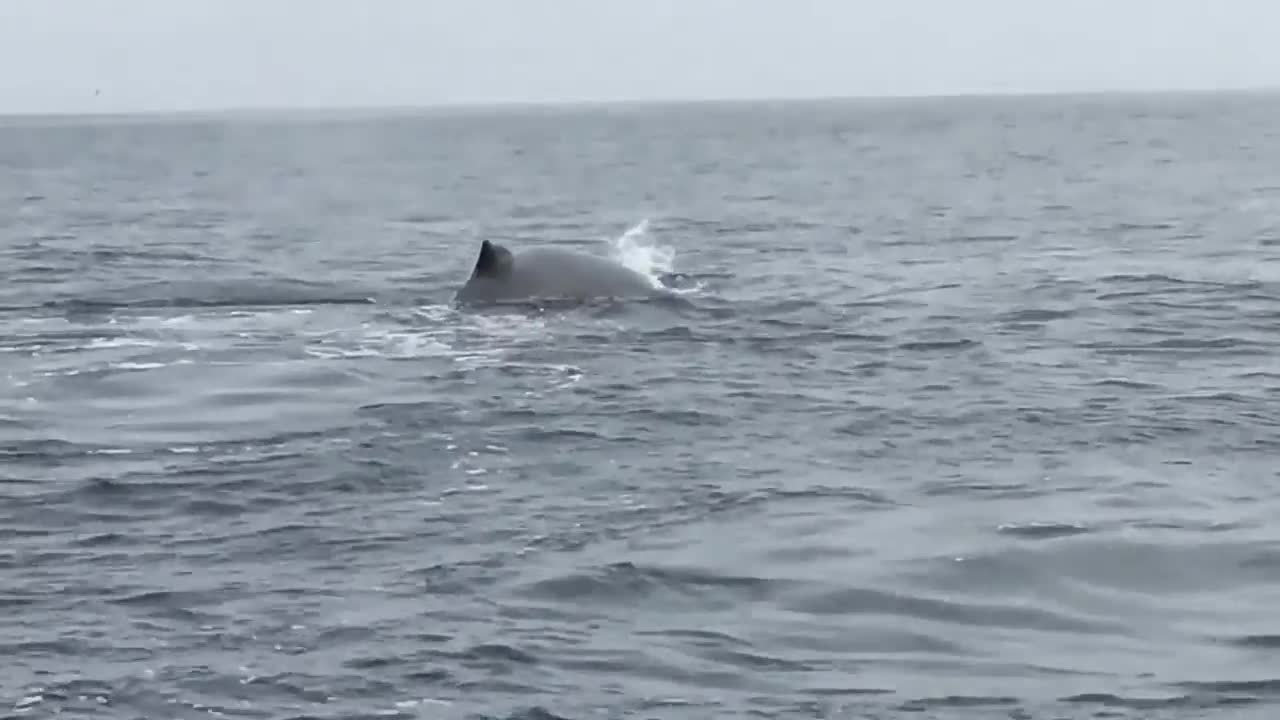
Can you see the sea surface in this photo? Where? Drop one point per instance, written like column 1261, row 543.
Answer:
column 959, row 408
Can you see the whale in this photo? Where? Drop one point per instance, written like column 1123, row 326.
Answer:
column 549, row 273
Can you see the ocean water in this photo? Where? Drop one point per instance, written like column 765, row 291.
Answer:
column 963, row 408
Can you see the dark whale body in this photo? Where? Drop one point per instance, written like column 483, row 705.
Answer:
column 548, row 274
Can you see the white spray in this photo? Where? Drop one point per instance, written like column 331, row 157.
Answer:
column 637, row 251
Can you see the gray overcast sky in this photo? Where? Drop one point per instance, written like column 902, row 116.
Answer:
column 196, row 54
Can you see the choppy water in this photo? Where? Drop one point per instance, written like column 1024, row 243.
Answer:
column 970, row 408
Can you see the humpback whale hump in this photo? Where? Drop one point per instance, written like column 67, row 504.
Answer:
column 547, row 273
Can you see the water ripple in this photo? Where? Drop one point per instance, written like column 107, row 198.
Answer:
column 996, row 439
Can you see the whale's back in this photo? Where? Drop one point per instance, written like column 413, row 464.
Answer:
column 550, row 273
column 576, row 274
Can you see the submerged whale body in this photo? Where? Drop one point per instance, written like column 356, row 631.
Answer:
column 549, row 273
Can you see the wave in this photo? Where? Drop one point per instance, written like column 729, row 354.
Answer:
column 246, row 293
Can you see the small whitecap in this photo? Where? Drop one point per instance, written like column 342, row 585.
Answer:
column 137, row 365
column 102, row 343
column 60, row 373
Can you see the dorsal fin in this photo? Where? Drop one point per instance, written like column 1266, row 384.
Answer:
column 494, row 261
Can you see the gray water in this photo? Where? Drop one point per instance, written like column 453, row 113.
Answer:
column 964, row 408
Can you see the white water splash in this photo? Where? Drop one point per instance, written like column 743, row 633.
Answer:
column 635, row 249
column 441, row 332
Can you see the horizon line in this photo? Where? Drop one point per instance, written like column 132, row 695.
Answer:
column 570, row 103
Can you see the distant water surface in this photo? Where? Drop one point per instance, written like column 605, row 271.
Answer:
column 966, row 408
